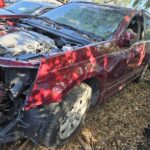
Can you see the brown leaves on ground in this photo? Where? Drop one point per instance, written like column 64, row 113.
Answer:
column 119, row 123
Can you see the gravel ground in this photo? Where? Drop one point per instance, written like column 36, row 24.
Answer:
column 119, row 124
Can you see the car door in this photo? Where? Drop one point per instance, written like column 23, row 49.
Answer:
column 127, row 60
column 134, row 44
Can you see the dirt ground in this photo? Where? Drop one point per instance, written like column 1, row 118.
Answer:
column 117, row 125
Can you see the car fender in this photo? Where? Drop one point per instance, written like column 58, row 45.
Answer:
column 58, row 74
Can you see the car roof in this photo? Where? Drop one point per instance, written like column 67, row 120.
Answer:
column 118, row 8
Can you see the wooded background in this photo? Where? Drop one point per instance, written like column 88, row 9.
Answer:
column 126, row 3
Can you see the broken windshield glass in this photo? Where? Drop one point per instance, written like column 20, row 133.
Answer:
column 101, row 21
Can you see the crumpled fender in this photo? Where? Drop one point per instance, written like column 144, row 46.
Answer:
column 58, row 74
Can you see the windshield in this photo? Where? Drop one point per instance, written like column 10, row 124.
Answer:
column 23, row 7
column 101, row 21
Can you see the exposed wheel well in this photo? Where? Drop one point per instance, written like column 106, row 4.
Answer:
column 94, row 83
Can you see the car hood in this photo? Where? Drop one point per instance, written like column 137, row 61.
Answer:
column 60, row 31
column 5, row 12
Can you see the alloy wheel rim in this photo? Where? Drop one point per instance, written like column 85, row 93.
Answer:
column 73, row 118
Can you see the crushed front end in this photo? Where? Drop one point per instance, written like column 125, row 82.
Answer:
column 20, row 58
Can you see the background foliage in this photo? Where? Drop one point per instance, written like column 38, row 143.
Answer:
column 126, row 3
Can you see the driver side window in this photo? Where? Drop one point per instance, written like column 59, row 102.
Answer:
column 133, row 32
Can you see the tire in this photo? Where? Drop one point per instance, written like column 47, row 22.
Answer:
column 142, row 75
column 68, row 117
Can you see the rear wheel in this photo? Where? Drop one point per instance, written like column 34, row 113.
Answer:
column 141, row 77
column 68, row 116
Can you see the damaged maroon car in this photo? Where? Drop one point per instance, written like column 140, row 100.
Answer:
column 54, row 67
